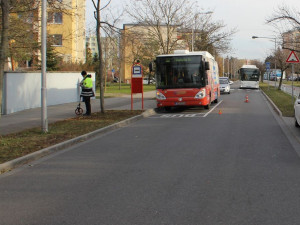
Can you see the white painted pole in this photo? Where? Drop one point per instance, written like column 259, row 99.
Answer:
column 44, row 68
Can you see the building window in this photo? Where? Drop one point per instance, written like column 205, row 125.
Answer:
column 56, row 39
column 55, row 17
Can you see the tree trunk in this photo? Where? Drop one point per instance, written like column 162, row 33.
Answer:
column 4, row 44
column 280, row 82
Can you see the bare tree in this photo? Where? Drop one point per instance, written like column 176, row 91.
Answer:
column 208, row 35
column 166, row 18
column 100, row 71
column 162, row 18
column 102, row 25
column 280, row 59
column 286, row 20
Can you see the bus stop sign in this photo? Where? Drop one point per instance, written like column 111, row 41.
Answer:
column 136, row 82
column 268, row 66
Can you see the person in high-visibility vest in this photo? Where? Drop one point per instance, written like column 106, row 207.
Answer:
column 87, row 91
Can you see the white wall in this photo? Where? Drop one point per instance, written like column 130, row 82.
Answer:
column 23, row 90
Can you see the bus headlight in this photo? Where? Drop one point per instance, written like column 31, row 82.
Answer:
column 201, row 94
column 160, row 96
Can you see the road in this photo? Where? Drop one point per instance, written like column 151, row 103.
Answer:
column 231, row 165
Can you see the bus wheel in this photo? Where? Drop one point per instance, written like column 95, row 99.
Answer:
column 217, row 99
column 207, row 106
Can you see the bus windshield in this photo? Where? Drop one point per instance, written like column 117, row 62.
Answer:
column 249, row 74
column 179, row 72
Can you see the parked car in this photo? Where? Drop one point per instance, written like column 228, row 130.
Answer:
column 224, row 85
column 146, row 80
column 297, row 111
column 116, row 79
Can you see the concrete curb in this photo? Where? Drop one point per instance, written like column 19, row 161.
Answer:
column 272, row 103
column 7, row 166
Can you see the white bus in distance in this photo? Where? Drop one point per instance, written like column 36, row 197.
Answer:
column 249, row 76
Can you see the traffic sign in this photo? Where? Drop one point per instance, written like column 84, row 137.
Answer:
column 292, row 58
column 137, row 82
column 268, row 66
column 137, row 71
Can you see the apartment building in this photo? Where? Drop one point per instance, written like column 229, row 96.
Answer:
column 67, row 29
column 110, row 53
column 91, row 43
column 291, row 39
column 65, row 32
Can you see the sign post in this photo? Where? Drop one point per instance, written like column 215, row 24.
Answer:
column 137, row 82
column 292, row 59
column 268, row 67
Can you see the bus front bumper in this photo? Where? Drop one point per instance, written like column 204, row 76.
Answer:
column 182, row 102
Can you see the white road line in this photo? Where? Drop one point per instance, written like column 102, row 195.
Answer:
column 206, row 114
column 179, row 115
column 188, row 115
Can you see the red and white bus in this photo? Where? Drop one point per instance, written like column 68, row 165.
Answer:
column 186, row 79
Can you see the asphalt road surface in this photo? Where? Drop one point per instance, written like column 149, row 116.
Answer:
column 231, row 165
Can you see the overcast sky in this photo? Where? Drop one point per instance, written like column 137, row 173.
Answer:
column 248, row 16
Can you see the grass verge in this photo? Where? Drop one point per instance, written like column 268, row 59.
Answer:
column 282, row 100
column 114, row 89
column 22, row 143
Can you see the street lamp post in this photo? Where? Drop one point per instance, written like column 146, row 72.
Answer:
column 275, row 41
column 44, row 69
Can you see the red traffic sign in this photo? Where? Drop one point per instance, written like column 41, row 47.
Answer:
column 292, row 58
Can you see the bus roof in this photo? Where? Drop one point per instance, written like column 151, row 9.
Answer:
column 188, row 53
column 250, row 66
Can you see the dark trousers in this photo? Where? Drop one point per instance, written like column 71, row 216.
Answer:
column 87, row 101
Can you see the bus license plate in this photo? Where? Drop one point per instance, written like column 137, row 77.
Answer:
column 179, row 103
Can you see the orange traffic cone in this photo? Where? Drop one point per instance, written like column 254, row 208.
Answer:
column 247, row 100
column 220, row 112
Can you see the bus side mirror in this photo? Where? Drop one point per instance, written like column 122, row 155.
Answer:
column 207, row 67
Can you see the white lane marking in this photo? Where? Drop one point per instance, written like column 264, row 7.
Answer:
column 179, row 115
column 189, row 115
column 206, row 114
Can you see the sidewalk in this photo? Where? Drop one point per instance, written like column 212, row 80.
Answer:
column 30, row 118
